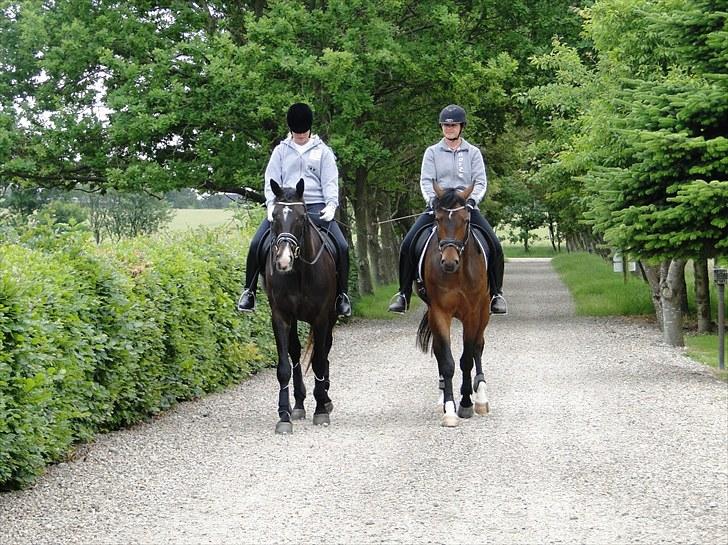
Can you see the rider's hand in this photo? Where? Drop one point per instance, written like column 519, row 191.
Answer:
column 270, row 212
column 327, row 214
column 470, row 203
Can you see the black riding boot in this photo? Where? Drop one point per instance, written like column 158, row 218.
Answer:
column 343, row 304
column 246, row 303
column 406, row 277
column 498, row 303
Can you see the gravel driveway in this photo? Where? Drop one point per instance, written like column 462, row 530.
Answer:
column 598, row 434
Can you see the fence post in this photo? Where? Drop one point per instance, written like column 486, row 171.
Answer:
column 720, row 277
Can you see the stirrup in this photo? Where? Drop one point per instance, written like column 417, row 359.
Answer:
column 400, row 304
column 343, row 306
column 246, row 303
column 498, row 305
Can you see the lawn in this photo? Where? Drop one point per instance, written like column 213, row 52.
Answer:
column 191, row 218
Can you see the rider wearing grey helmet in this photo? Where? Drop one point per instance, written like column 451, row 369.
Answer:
column 453, row 162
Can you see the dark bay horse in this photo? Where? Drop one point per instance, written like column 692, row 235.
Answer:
column 300, row 279
column 455, row 276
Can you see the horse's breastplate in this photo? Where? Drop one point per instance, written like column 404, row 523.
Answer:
column 422, row 241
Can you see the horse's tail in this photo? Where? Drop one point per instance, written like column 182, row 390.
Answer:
column 424, row 333
column 307, row 355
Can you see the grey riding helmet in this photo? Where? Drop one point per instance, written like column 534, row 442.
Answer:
column 453, row 114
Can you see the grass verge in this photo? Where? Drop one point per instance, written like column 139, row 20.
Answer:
column 544, row 250
column 375, row 306
column 597, row 291
column 704, row 348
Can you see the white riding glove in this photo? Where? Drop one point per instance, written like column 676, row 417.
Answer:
column 327, row 214
column 270, row 212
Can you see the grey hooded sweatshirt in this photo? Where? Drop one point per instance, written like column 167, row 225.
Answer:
column 316, row 165
column 450, row 168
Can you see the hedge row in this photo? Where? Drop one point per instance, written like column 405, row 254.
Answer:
column 94, row 339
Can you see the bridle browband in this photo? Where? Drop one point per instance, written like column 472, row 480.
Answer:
column 291, row 239
column 459, row 245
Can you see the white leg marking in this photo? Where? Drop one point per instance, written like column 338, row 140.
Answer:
column 480, row 399
column 450, row 418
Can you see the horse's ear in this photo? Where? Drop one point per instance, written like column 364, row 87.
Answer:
column 277, row 191
column 465, row 193
column 439, row 191
column 299, row 188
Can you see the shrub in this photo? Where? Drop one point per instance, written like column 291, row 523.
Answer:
column 92, row 339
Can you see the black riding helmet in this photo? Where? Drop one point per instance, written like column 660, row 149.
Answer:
column 453, row 114
column 299, row 117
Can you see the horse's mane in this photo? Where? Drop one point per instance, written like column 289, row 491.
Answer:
column 450, row 199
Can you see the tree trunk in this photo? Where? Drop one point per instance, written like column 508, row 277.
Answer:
column 389, row 242
column 652, row 275
column 702, row 295
column 375, row 250
column 362, row 227
column 670, row 296
column 683, row 293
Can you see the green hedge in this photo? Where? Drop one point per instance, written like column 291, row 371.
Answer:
column 93, row 339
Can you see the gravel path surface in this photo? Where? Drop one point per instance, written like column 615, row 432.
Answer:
column 598, row 434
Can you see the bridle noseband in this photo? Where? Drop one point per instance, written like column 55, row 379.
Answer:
column 459, row 245
column 286, row 237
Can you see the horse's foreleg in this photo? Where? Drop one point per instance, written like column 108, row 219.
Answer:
column 479, row 396
column 299, row 388
column 322, row 338
column 465, row 410
column 282, row 331
column 446, row 365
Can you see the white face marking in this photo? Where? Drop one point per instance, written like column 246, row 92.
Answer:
column 284, row 260
column 286, row 211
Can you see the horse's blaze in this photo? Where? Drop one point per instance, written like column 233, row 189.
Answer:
column 284, row 262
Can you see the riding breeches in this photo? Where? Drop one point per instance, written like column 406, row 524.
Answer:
column 408, row 261
column 254, row 266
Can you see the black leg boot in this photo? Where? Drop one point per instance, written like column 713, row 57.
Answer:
column 406, row 276
column 343, row 303
column 246, row 303
column 498, row 303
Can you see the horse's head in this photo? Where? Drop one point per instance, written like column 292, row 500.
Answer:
column 452, row 218
column 289, row 225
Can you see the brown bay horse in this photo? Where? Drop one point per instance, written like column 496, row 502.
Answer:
column 300, row 279
column 455, row 277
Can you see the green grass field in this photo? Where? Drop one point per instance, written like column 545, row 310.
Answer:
column 191, row 218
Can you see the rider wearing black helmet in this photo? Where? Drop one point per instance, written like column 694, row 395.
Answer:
column 453, row 162
column 302, row 155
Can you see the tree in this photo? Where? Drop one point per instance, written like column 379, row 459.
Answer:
column 149, row 96
column 651, row 144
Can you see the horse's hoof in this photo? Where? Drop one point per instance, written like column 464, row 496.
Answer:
column 450, row 420
column 482, row 408
column 321, row 419
column 284, row 428
column 465, row 412
column 329, row 407
column 298, row 414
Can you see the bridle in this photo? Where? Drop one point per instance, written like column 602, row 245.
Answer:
column 292, row 240
column 459, row 245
